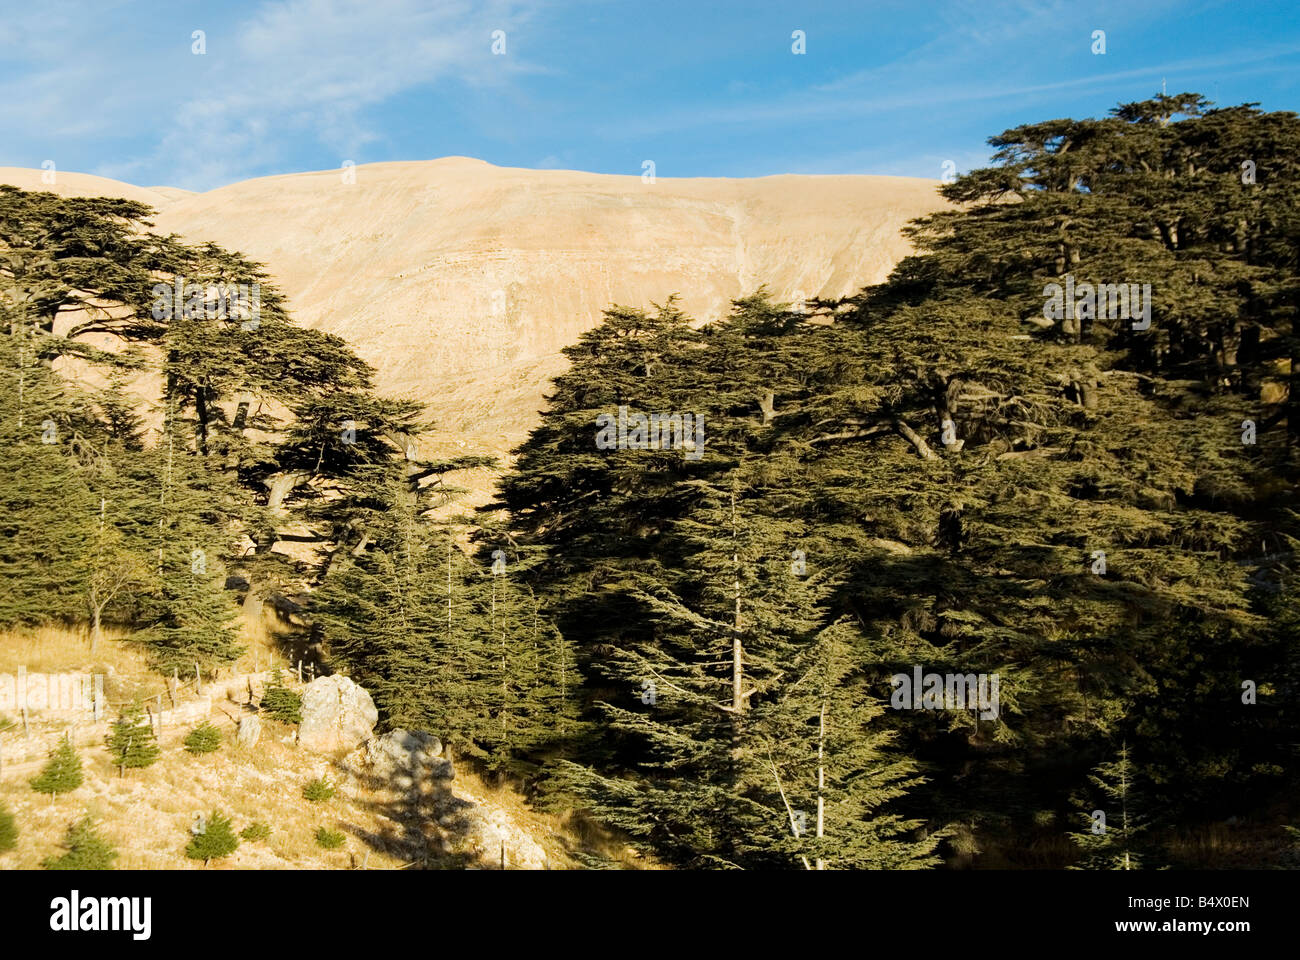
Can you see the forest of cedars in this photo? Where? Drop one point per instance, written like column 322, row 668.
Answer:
column 922, row 474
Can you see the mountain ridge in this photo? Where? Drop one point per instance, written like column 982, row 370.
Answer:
column 461, row 281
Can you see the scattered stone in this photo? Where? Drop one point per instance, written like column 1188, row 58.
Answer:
column 337, row 715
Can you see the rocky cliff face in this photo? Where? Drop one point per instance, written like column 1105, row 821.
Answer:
column 461, row 281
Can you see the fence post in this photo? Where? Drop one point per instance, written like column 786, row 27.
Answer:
column 160, row 722
column 198, row 679
column 22, row 697
column 300, row 671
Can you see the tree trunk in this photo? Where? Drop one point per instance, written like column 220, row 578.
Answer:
column 915, row 439
column 737, row 652
column 278, row 488
column 737, row 666
column 821, row 780
column 201, row 415
column 1293, row 391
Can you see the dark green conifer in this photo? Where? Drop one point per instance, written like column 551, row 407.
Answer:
column 279, row 701
column 8, row 831
column 62, row 773
column 86, row 850
column 205, row 738
column 213, row 840
column 131, row 740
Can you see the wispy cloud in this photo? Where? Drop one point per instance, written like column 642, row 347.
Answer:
column 291, row 69
column 862, row 95
column 111, row 86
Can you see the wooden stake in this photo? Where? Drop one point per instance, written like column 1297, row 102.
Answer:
column 22, row 697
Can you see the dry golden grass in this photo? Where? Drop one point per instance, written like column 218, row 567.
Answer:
column 56, row 649
column 147, row 814
column 1222, row 846
column 266, row 640
column 60, row 649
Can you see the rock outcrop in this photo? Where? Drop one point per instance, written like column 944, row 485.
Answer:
column 406, row 759
column 492, row 835
column 337, row 715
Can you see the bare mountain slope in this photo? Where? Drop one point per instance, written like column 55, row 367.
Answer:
column 461, row 281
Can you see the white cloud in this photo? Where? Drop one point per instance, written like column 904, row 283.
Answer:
column 293, row 70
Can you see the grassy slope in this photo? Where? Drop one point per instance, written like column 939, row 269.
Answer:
column 147, row 814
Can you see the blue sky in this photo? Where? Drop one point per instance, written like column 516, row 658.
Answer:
column 700, row 88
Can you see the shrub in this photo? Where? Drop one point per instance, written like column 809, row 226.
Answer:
column 329, row 839
column 8, row 831
column 280, row 702
column 86, row 850
column 131, row 741
column 255, row 831
column 205, row 738
column 318, row 790
column 62, row 773
column 214, row 840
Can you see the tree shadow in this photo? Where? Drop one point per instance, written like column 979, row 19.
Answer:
column 423, row 823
